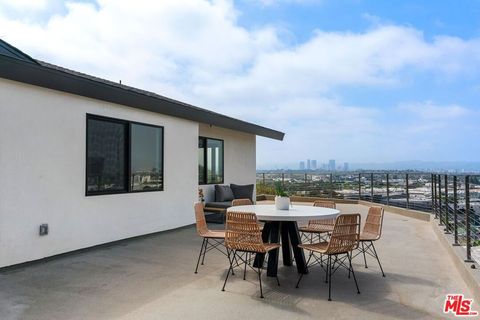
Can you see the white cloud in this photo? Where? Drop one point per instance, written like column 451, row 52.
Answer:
column 196, row 51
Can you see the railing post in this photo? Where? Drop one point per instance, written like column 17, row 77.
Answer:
column 455, row 211
column 283, row 180
column 331, row 186
column 407, row 190
column 435, row 196
column 447, row 223
column 439, row 182
column 388, row 190
column 431, row 193
column 263, row 178
column 467, row 218
column 306, row 178
column 371, row 187
column 359, row 186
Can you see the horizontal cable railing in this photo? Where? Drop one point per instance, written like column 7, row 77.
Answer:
column 453, row 199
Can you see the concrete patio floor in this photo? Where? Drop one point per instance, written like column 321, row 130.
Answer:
column 152, row 278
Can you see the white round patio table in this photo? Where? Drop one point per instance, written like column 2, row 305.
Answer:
column 268, row 212
column 283, row 224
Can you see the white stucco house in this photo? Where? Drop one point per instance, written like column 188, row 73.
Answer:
column 99, row 161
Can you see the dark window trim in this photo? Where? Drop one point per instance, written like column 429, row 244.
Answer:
column 204, row 183
column 128, row 156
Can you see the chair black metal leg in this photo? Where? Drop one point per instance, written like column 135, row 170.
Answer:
column 376, row 256
column 200, row 254
column 326, row 273
column 234, row 260
column 364, row 255
column 301, row 274
column 299, row 279
column 205, row 250
column 229, row 268
column 231, row 261
column 260, row 280
column 349, row 270
column 245, row 265
column 353, row 272
column 329, row 268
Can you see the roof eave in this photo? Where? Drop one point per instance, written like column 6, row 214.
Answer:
column 55, row 79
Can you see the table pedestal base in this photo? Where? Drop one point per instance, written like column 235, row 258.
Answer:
column 288, row 232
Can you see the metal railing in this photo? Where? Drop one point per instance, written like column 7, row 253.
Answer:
column 453, row 199
column 457, row 207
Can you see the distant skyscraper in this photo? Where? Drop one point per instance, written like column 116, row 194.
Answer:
column 331, row 165
column 313, row 164
column 302, row 165
column 308, row 164
column 345, row 166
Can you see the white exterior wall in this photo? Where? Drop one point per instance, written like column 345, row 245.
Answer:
column 42, row 175
column 239, row 157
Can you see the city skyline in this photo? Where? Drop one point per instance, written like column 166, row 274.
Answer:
column 424, row 166
column 311, row 164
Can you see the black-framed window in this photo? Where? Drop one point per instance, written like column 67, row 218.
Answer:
column 123, row 156
column 210, row 160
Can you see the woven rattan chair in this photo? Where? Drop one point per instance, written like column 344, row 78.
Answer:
column 241, row 202
column 245, row 202
column 212, row 239
column 372, row 231
column 242, row 238
column 345, row 238
column 317, row 227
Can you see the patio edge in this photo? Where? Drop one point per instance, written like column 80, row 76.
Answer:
column 470, row 276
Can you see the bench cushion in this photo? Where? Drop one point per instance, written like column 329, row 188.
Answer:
column 217, row 204
column 223, row 193
column 242, row 191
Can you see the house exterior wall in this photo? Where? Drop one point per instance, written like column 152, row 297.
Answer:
column 42, row 174
column 239, row 157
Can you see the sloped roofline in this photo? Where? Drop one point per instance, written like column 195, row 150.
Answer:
column 22, row 68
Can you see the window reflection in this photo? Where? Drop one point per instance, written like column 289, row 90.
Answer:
column 210, row 161
column 201, row 161
column 106, row 155
column 214, row 161
column 146, row 158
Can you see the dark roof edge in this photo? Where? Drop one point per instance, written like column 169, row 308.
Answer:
column 57, row 78
column 16, row 53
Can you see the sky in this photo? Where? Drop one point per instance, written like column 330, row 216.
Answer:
column 351, row 80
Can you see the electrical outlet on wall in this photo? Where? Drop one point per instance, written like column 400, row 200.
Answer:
column 43, row 229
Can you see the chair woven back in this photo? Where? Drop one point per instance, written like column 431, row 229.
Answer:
column 323, row 204
column 241, row 202
column 200, row 221
column 374, row 222
column 243, row 233
column 345, row 234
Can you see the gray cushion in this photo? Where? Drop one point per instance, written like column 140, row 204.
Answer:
column 242, row 192
column 221, row 205
column 223, row 193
